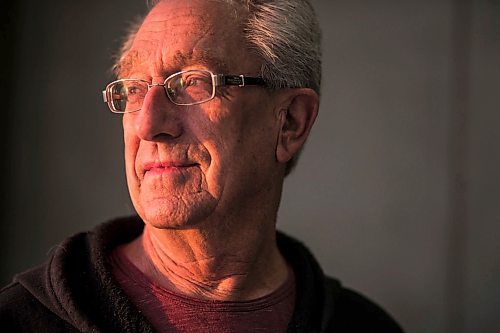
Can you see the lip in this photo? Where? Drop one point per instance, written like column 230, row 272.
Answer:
column 162, row 167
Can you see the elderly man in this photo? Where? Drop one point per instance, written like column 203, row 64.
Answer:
column 218, row 98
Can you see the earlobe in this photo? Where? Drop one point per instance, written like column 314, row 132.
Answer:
column 296, row 122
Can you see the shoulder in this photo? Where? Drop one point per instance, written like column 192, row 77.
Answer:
column 348, row 311
column 323, row 304
column 14, row 299
column 21, row 312
column 73, row 288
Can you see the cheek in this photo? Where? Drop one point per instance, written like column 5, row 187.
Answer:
column 217, row 148
column 240, row 137
column 130, row 138
column 131, row 142
column 215, row 127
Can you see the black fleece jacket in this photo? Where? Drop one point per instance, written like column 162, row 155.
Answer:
column 75, row 291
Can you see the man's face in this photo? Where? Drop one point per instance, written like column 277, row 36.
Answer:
column 187, row 164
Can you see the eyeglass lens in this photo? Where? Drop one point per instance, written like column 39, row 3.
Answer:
column 128, row 95
column 184, row 88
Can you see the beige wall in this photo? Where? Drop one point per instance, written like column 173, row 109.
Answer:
column 397, row 190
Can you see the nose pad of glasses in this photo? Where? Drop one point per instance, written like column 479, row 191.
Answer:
column 171, row 94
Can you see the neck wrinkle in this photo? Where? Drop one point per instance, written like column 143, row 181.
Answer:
column 179, row 261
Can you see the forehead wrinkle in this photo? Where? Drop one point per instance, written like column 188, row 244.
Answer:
column 162, row 60
column 158, row 66
column 180, row 60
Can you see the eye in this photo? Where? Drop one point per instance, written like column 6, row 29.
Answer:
column 193, row 80
column 135, row 90
column 190, row 87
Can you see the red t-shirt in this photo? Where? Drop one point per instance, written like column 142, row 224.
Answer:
column 168, row 311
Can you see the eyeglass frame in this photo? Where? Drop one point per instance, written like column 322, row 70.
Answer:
column 218, row 80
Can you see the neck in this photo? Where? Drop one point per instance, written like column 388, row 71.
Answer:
column 221, row 263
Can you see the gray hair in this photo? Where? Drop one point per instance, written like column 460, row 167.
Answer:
column 284, row 33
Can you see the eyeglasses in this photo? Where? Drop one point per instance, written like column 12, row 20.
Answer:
column 189, row 87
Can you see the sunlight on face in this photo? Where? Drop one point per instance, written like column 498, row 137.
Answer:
column 189, row 164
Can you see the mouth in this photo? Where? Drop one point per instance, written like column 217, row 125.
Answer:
column 163, row 167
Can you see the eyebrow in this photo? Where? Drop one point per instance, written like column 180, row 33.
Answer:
column 180, row 60
column 205, row 57
column 124, row 65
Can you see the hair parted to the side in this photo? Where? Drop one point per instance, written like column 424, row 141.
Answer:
column 284, row 33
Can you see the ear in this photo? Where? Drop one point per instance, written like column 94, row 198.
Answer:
column 297, row 116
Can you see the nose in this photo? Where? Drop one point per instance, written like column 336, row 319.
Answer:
column 158, row 118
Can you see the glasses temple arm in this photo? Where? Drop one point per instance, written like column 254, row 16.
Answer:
column 238, row 80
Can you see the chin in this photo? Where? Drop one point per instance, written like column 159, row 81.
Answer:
column 175, row 213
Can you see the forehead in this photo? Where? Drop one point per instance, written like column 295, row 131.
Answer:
column 143, row 58
column 177, row 34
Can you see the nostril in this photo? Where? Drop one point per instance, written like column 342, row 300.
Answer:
column 163, row 137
